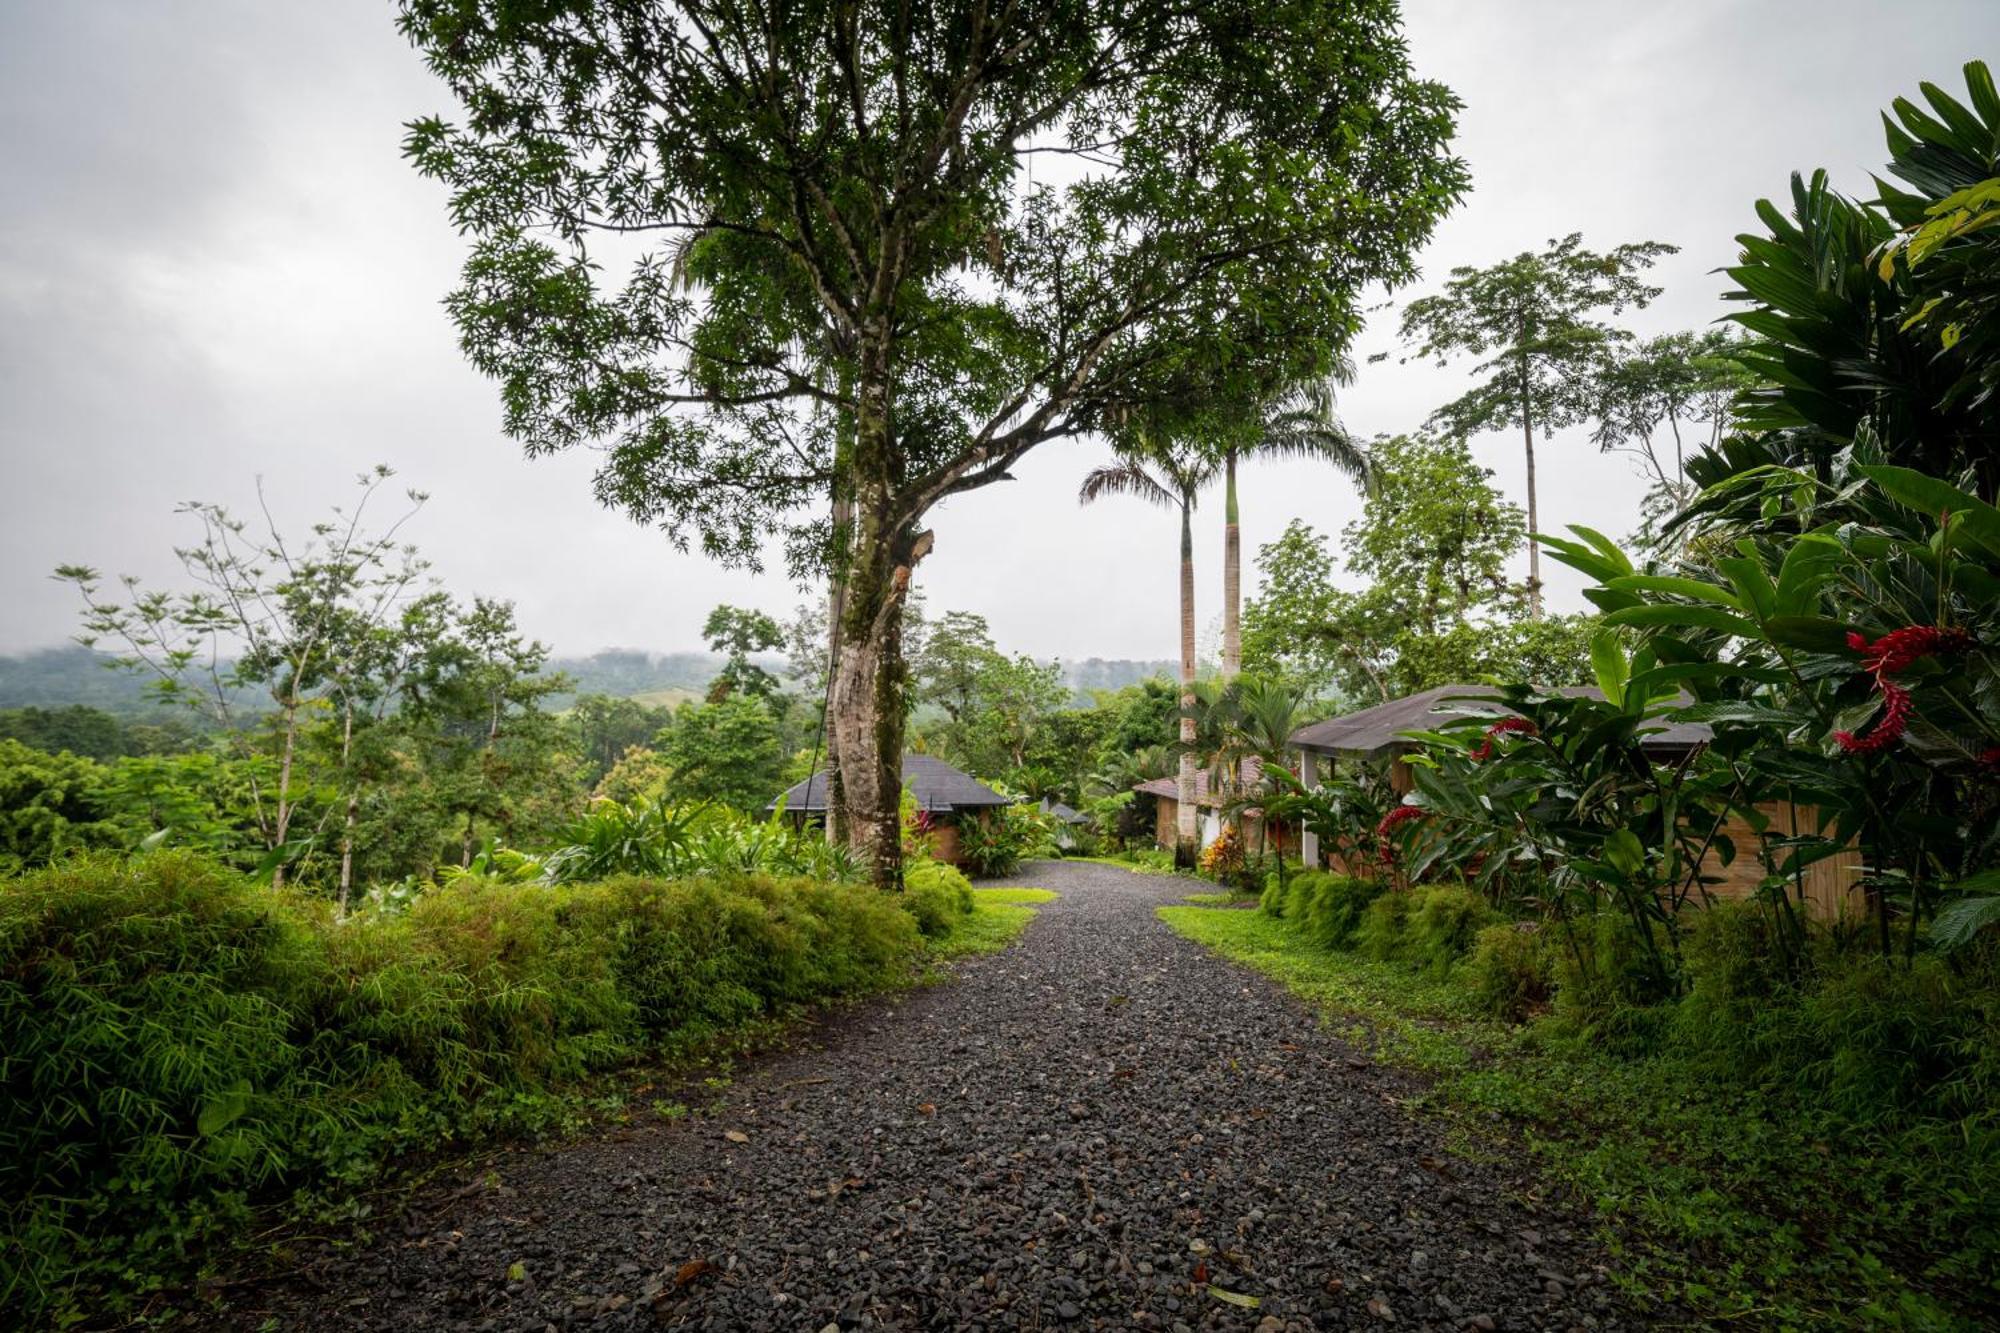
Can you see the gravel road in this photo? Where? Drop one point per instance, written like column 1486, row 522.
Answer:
column 1103, row 1127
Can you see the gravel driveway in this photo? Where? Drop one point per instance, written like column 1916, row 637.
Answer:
column 1078, row 1133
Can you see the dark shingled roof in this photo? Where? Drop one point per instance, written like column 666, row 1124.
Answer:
column 1373, row 731
column 1067, row 814
column 936, row 785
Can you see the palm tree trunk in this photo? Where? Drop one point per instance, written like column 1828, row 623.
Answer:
column 1232, row 575
column 1232, row 596
column 1188, row 830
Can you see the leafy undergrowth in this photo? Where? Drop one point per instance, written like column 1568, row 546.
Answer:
column 1738, row 1203
column 191, row 1058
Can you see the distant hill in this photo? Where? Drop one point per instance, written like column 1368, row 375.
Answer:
column 1112, row 673
column 623, row 672
column 55, row 677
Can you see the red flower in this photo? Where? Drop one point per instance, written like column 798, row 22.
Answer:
column 1990, row 758
column 1887, row 656
column 1402, row 814
column 1501, row 728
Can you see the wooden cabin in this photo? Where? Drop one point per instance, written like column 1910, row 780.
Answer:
column 1829, row 890
column 948, row 796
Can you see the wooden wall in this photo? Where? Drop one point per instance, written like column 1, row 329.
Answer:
column 1828, row 889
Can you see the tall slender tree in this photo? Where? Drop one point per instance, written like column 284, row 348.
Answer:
column 859, row 290
column 1532, row 319
column 1171, row 476
column 1299, row 423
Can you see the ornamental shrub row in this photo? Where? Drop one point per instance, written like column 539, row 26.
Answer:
column 177, row 1043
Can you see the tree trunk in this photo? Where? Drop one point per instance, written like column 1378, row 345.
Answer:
column 870, row 680
column 1187, row 833
column 1232, row 575
column 1232, row 600
column 836, row 608
column 353, row 806
column 1534, row 520
column 282, row 826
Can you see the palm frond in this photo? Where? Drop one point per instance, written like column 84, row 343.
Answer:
column 1126, row 478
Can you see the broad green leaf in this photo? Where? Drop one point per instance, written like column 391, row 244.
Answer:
column 1928, row 495
column 1608, row 662
column 1704, row 617
column 1813, row 634
column 1812, row 563
column 1679, row 587
column 1625, row 852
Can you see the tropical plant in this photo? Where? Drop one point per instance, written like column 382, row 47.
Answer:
column 1844, row 658
column 1873, row 319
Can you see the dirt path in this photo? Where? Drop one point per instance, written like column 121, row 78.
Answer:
column 1071, row 1134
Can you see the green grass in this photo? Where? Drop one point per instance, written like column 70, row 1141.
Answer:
column 1739, row 1205
column 1147, row 863
column 998, row 918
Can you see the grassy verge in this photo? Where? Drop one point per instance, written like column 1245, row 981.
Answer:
column 1740, row 1204
column 998, row 918
column 1154, row 863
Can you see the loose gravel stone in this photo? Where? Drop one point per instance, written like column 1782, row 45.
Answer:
column 1103, row 1127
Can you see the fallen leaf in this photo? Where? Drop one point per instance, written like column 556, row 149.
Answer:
column 927, row 1108
column 1201, row 1272
column 693, row 1269
column 735, row 1136
column 517, row 1271
column 1235, row 1298
column 1334, row 1286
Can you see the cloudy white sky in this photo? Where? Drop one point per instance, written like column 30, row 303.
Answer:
column 214, row 265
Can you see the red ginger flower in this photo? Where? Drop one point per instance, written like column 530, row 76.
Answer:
column 1887, row 656
column 1402, row 814
column 1501, row 728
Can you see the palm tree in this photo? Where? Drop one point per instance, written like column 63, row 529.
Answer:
column 1298, row 423
column 1170, row 476
column 1256, row 722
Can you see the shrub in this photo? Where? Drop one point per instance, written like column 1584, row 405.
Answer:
column 1383, row 922
column 937, row 896
column 1444, row 921
column 1606, row 984
column 1506, row 972
column 1333, row 907
column 993, row 845
column 177, row 1042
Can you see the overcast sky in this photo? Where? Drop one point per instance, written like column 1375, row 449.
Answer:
column 214, row 265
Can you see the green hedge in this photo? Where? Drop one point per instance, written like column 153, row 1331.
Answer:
column 176, row 1042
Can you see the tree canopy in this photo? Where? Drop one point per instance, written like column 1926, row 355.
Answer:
column 885, row 252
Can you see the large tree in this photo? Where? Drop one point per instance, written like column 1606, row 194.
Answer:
column 1533, row 322
column 874, row 254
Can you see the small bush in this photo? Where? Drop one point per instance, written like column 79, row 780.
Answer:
column 1334, row 906
column 1444, row 921
column 1506, row 973
column 1383, row 923
column 937, row 896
